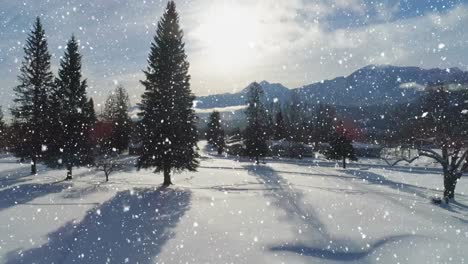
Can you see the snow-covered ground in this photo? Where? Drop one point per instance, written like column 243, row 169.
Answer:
column 284, row 211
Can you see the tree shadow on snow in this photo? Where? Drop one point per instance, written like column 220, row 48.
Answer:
column 287, row 198
column 132, row 227
column 24, row 193
column 425, row 193
column 4, row 183
column 342, row 253
column 77, row 193
column 16, row 176
column 296, row 173
column 315, row 239
column 374, row 178
column 358, row 165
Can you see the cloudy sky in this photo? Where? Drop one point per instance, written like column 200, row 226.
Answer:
column 231, row 43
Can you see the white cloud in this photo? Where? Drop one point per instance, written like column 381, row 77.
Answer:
column 297, row 52
column 357, row 6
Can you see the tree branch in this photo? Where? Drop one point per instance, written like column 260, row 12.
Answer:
column 400, row 160
column 433, row 155
column 463, row 158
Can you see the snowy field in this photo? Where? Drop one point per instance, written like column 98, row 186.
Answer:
column 284, row 211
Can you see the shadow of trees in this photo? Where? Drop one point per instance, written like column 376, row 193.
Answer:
column 285, row 197
column 132, row 227
column 15, row 176
column 24, row 193
column 374, row 178
column 341, row 254
column 316, row 239
column 358, row 165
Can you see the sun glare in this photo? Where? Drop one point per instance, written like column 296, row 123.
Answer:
column 228, row 32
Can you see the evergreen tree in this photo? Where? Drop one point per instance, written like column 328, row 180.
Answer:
column 297, row 127
column 255, row 133
column 169, row 135
column 270, row 109
column 341, row 147
column 90, row 121
column 3, row 138
column 280, row 127
column 55, row 116
column 325, row 124
column 77, row 112
column 90, row 114
column 215, row 132
column 31, row 102
column 270, row 125
column 295, row 119
column 116, row 112
column 17, row 143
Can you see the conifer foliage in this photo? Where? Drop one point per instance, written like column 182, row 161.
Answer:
column 31, row 102
column 255, row 133
column 341, row 147
column 3, row 132
column 116, row 112
column 215, row 134
column 77, row 113
column 325, row 124
column 169, row 134
column 280, row 127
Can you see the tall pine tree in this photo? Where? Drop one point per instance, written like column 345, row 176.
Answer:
column 325, row 124
column 31, row 102
column 255, row 133
column 55, row 115
column 280, row 127
column 116, row 112
column 3, row 138
column 90, row 114
column 169, row 135
column 90, row 121
column 77, row 113
column 215, row 132
column 341, row 147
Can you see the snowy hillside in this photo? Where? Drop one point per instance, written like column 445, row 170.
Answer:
column 272, row 92
column 380, row 84
column 370, row 85
column 231, row 211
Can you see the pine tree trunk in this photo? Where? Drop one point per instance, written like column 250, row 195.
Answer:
column 450, row 181
column 220, row 151
column 69, row 173
column 33, row 165
column 167, row 176
column 257, row 160
column 344, row 162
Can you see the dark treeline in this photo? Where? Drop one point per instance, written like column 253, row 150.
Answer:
column 435, row 125
column 291, row 129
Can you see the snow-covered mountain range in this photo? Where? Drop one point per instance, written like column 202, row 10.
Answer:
column 371, row 85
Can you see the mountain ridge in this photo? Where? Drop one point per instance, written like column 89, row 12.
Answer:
column 369, row 85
